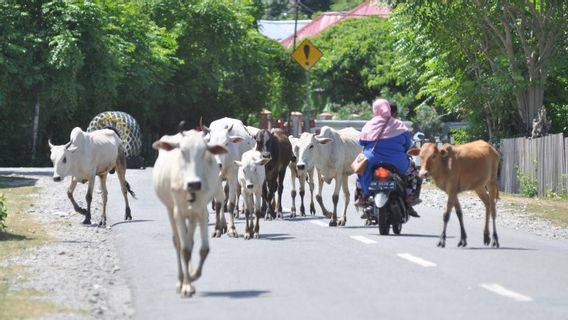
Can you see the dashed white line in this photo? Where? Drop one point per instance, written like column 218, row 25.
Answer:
column 320, row 223
column 498, row 289
column 417, row 260
column 363, row 239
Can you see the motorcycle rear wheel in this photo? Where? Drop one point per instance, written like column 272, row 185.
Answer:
column 383, row 223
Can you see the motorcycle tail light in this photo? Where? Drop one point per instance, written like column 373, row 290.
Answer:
column 382, row 173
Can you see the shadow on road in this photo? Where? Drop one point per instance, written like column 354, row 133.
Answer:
column 413, row 235
column 130, row 221
column 235, row 294
column 502, row 248
column 26, row 173
column 275, row 236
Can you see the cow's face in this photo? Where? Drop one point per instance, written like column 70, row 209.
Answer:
column 264, row 141
column 430, row 158
column 308, row 146
column 196, row 163
column 223, row 137
column 62, row 158
column 251, row 170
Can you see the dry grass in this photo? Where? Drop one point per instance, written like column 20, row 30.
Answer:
column 22, row 232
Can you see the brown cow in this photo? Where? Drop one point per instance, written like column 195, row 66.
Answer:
column 471, row 166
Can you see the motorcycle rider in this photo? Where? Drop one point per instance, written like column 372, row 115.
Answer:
column 390, row 148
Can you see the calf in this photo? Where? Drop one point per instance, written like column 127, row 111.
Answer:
column 471, row 166
column 276, row 147
column 302, row 175
column 331, row 153
column 186, row 177
column 251, row 177
column 86, row 156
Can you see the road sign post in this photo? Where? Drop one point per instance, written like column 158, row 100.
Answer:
column 307, row 55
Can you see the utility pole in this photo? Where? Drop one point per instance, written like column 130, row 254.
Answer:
column 295, row 23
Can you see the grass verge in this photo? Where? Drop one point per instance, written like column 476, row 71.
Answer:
column 553, row 210
column 22, row 232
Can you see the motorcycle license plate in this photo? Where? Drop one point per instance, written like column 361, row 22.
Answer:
column 382, row 185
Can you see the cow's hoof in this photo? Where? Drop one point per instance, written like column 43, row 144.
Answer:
column 256, row 235
column 102, row 223
column 246, row 236
column 342, row 222
column 312, row 209
column 216, row 234
column 187, row 291
column 462, row 243
column 292, row 215
column 233, row 233
column 495, row 244
column 333, row 223
column 87, row 221
column 441, row 244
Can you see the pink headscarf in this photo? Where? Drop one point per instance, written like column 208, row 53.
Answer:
column 371, row 129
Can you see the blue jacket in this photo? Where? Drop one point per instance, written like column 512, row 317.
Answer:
column 390, row 150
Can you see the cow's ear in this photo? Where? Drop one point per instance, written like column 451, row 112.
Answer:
column 262, row 161
column 413, row 151
column 323, row 140
column 238, row 163
column 235, row 139
column 445, row 150
column 72, row 148
column 165, row 145
column 217, row 149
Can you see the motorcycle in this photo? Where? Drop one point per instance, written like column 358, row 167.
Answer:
column 387, row 205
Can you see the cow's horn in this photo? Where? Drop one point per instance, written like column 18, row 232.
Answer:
column 68, row 144
column 230, row 127
column 181, row 125
column 50, row 144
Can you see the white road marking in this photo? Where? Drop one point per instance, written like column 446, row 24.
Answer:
column 363, row 239
column 498, row 289
column 320, row 223
column 417, row 260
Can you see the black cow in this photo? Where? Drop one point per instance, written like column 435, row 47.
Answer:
column 276, row 147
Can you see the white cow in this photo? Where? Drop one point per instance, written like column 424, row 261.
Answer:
column 331, row 153
column 234, row 135
column 251, row 177
column 85, row 156
column 186, row 178
column 302, row 175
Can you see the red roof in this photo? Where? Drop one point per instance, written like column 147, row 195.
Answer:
column 327, row 19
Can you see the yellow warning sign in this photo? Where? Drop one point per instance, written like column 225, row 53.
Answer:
column 306, row 54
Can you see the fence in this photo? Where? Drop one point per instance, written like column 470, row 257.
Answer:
column 543, row 159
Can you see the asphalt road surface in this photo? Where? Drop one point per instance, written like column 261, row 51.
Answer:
column 303, row 269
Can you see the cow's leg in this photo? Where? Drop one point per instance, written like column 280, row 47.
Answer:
column 335, row 198
column 104, row 193
column 177, row 247
column 485, row 198
column 238, row 197
column 281, row 176
column 70, row 191
column 220, row 223
column 459, row 213
column 186, row 244
column 311, row 185
column 293, row 176
column 232, row 231
column 345, row 187
column 493, row 195
column 89, row 198
column 449, row 205
column 301, row 179
column 121, row 174
column 264, row 205
column 204, row 251
column 248, row 210
column 319, row 199
column 257, row 214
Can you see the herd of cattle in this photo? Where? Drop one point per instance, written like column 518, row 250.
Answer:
column 215, row 165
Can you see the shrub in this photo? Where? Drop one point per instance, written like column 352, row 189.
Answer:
column 529, row 185
column 461, row 135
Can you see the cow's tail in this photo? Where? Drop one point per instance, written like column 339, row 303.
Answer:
column 129, row 189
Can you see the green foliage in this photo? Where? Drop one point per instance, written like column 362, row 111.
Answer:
column 528, row 185
column 3, row 211
column 350, row 111
column 428, row 121
column 558, row 114
column 461, row 135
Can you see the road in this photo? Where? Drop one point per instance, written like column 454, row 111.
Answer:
column 303, row 269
